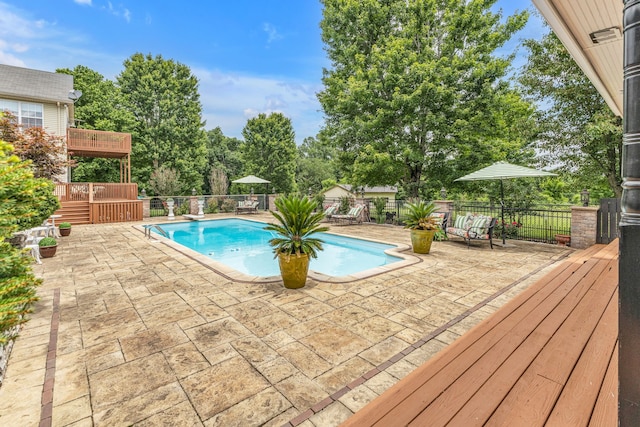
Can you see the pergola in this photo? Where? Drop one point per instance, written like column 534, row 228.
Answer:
column 603, row 36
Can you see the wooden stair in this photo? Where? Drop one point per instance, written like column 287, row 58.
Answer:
column 76, row 212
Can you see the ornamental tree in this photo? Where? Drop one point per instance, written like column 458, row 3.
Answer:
column 46, row 152
column 25, row 201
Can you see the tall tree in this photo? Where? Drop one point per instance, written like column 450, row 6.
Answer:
column 578, row 129
column 100, row 107
column 163, row 97
column 224, row 155
column 413, row 83
column 270, row 150
column 316, row 163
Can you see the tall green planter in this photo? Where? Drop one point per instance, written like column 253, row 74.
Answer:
column 294, row 270
column 421, row 240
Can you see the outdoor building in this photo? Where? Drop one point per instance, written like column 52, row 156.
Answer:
column 347, row 190
column 45, row 99
column 38, row 98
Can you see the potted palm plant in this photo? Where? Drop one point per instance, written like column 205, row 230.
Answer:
column 422, row 224
column 294, row 244
column 48, row 247
column 65, row 228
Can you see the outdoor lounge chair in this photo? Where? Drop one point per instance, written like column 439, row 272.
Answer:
column 247, row 207
column 331, row 210
column 354, row 215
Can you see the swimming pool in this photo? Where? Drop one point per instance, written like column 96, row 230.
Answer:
column 243, row 245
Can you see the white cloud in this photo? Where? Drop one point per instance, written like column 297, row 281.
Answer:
column 9, row 59
column 83, row 2
column 118, row 11
column 272, row 33
column 229, row 100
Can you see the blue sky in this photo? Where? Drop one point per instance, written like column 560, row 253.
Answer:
column 250, row 56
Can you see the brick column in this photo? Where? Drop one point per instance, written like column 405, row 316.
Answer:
column 272, row 198
column 146, row 207
column 444, row 206
column 193, row 205
column 583, row 226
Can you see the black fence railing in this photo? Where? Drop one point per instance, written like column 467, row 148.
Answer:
column 537, row 223
column 212, row 204
column 381, row 211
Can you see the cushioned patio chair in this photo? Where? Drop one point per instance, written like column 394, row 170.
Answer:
column 247, row 207
column 330, row 211
column 354, row 215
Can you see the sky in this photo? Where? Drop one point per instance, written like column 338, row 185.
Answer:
column 250, row 56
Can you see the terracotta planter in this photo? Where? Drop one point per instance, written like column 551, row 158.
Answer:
column 421, row 240
column 563, row 239
column 65, row 231
column 48, row 251
column 294, row 270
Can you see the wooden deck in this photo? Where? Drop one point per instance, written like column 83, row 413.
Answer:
column 98, row 202
column 548, row 357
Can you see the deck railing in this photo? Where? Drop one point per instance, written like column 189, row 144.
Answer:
column 88, row 140
column 95, row 191
column 114, row 211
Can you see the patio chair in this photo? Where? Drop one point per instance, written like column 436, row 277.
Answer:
column 247, row 207
column 32, row 238
column 52, row 230
column 354, row 215
column 330, row 211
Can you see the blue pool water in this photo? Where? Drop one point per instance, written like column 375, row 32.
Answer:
column 244, row 246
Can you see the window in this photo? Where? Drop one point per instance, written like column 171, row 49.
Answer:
column 28, row 114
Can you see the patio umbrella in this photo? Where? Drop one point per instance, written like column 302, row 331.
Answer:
column 251, row 179
column 502, row 171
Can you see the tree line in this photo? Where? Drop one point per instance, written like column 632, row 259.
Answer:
column 416, row 95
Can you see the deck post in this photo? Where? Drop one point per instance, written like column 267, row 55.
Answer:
column 629, row 278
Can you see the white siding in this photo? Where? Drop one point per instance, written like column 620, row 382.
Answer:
column 55, row 119
column 337, row 192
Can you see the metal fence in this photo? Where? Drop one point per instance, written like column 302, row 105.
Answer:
column 537, row 223
column 212, row 204
column 390, row 212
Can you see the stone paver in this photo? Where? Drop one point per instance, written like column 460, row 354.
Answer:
column 148, row 336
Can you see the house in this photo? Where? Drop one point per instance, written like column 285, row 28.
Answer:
column 38, row 98
column 346, row 190
column 45, row 99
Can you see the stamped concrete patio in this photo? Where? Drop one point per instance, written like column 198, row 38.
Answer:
column 129, row 331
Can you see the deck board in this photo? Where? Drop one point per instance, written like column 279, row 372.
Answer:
column 533, row 295
column 524, row 363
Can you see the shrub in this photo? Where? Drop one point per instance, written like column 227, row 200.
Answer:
column 212, row 205
column 345, row 205
column 183, row 209
column 228, row 205
column 48, row 241
column 379, row 204
column 22, row 202
column 319, row 200
column 165, row 181
column 64, row 225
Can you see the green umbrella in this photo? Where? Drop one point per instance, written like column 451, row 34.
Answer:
column 501, row 171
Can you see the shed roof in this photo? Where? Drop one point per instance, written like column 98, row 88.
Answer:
column 34, row 85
